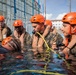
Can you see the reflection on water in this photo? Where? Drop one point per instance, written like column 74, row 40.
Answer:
column 12, row 64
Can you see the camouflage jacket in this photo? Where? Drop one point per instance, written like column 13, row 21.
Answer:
column 47, row 39
column 73, row 50
column 27, row 40
column 55, row 38
column 50, row 38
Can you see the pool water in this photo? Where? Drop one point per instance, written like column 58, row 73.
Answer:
column 12, row 65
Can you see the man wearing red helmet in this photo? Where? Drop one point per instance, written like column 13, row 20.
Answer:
column 4, row 29
column 69, row 31
column 9, row 45
column 38, row 44
column 21, row 34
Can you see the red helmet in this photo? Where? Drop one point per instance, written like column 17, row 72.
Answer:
column 18, row 23
column 6, row 40
column 37, row 18
column 48, row 22
column 70, row 18
column 2, row 18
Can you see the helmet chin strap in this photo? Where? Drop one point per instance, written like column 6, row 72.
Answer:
column 70, row 31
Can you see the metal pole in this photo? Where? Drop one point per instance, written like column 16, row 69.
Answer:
column 45, row 9
column 14, row 9
column 33, row 7
column 38, row 6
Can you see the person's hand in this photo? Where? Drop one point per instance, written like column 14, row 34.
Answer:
column 66, row 50
column 54, row 46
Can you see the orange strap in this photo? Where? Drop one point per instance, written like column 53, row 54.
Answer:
column 66, row 44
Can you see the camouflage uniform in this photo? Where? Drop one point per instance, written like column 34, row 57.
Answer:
column 51, row 38
column 55, row 38
column 72, row 60
column 27, row 40
column 43, row 55
column 47, row 39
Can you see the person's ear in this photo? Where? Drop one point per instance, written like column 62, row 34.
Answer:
column 74, row 29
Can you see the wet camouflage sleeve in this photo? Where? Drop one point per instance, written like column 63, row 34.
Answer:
column 47, row 39
column 73, row 50
column 57, row 38
column 27, row 40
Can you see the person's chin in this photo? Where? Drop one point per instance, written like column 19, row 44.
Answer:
column 18, row 31
column 65, row 34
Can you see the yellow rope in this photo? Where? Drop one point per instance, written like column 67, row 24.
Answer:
column 48, row 49
column 37, row 71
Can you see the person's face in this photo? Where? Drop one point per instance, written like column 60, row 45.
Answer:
column 1, row 24
column 18, row 28
column 36, row 27
column 66, row 29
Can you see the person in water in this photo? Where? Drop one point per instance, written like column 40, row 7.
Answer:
column 39, row 47
column 21, row 34
column 69, row 31
column 5, row 31
column 9, row 45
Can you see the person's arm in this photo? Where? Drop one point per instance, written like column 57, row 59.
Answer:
column 66, row 50
column 70, row 45
column 34, row 41
column 57, row 39
column 41, row 41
